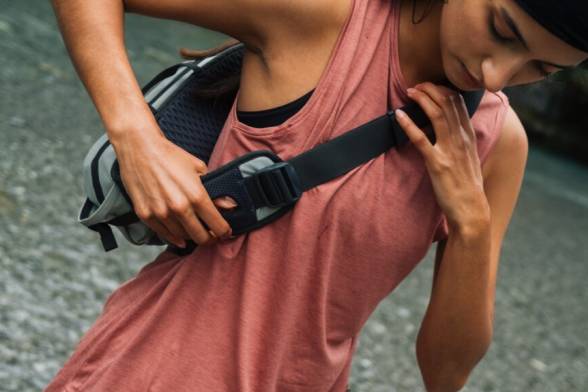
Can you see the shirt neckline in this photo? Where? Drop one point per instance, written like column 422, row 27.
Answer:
column 303, row 112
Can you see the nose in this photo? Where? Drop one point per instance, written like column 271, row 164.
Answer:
column 497, row 72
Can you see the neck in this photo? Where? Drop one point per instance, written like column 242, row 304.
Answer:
column 419, row 44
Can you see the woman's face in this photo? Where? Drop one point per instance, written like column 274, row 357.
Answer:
column 467, row 39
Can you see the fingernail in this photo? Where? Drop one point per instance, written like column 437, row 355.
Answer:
column 228, row 235
column 411, row 90
column 231, row 202
column 399, row 113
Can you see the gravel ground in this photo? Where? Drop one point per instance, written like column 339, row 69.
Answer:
column 54, row 276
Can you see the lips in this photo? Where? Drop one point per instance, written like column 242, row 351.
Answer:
column 472, row 82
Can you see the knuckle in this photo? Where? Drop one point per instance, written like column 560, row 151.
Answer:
column 202, row 239
column 420, row 141
column 442, row 164
column 180, row 207
column 436, row 115
column 197, row 198
column 201, row 166
column 143, row 213
column 161, row 212
column 226, row 231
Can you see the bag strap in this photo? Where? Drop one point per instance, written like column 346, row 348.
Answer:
column 351, row 149
column 279, row 184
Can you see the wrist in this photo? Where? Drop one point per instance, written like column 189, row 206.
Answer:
column 132, row 125
column 474, row 225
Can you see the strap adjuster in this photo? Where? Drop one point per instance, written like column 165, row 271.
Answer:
column 276, row 185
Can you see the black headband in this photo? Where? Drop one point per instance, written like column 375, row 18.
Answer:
column 566, row 19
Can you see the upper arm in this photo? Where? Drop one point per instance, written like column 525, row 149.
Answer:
column 253, row 22
column 503, row 173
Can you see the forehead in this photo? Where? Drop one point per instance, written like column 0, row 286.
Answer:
column 542, row 44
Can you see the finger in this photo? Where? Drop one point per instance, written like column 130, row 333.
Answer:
column 415, row 134
column 174, row 226
column 454, row 120
column 208, row 212
column 442, row 96
column 464, row 117
column 225, row 202
column 163, row 232
column 195, row 229
column 213, row 239
column 433, row 111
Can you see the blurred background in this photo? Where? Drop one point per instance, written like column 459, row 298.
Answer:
column 55, row 277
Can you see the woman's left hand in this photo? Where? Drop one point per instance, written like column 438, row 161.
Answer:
column 452, row 162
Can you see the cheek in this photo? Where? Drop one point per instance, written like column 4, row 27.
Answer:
column 462, row 39
column 450, row 39
column 450, row 31
column 463, row 31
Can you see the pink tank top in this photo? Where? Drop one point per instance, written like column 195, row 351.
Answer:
column 280, row 308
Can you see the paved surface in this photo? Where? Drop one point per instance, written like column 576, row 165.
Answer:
column 54, row 277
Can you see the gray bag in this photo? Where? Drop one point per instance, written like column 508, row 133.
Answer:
column 189, row 119
column 107, row 203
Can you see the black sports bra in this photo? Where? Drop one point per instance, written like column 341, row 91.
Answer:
column 274, row 116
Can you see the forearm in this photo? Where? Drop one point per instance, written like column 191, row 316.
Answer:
column 93, row 32
column 457, row 327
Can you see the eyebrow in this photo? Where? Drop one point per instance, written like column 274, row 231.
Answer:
column 511, row 23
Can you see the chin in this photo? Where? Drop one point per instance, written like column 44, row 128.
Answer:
column 451, row 76
column 454, row 72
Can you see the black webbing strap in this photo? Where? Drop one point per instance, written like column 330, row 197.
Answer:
column 281, row 184
column 343, row 153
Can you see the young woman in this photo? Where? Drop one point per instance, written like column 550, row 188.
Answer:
column 280, row 308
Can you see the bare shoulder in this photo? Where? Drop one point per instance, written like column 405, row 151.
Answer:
column 504, row 170
column 511, row 149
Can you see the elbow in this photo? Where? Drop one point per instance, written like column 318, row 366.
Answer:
column 449, row 378
column 450, row 372
column 444, row 383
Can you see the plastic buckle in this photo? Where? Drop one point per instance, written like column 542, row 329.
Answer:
column 278, row 184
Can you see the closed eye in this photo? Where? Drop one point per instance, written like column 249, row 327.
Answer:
column 505, row 40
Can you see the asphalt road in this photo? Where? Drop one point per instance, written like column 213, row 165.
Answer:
column 54, row 276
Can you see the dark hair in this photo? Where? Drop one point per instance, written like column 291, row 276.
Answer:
column 430, row 4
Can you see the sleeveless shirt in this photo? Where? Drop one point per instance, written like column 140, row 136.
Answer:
column 281, row 308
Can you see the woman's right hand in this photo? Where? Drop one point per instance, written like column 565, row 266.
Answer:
column 163, row 182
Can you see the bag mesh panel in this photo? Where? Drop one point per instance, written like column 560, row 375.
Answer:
column 193, row 122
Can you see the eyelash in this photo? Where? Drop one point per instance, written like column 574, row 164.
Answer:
column 502, row 39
